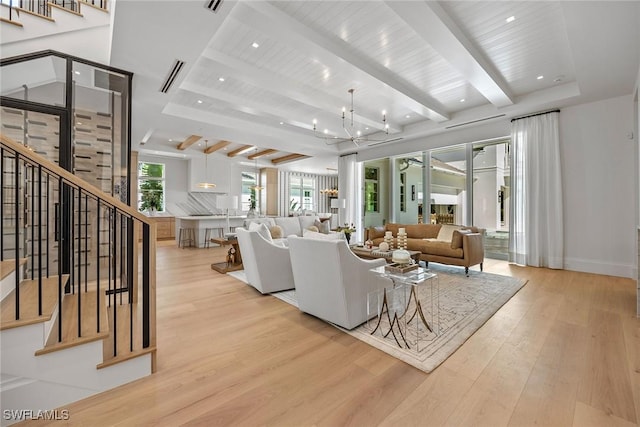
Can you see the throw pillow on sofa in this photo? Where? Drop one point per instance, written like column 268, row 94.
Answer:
column 446, row 232
column 312, row 228
column 262, row 229
column 276, row 232
column 322, row 226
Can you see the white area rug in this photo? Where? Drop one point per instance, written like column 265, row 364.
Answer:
column 239, row 274
column 466, row 303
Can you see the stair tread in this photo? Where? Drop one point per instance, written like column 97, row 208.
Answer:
column 29, row 302
column 8, row 266
column 86, row 3
column 70, row 338
column 124, row 357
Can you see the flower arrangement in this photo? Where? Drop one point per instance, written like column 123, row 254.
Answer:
column 347, row 230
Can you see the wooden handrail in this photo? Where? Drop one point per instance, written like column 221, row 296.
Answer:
column 71, row 178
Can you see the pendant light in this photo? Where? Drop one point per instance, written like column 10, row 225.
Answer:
column 206, row 184
column 255, row 167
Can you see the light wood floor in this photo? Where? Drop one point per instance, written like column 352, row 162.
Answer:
column 563, row 351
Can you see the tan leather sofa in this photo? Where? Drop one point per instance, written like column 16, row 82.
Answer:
column 442, row 243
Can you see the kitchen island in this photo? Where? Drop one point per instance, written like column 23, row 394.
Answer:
column 201, row 223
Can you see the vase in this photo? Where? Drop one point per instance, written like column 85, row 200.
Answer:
column 348, row 237
column 252, row 213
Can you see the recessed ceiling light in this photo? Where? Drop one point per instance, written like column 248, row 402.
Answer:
column 281, row 123
column 540, row 77
column 366, row 128
column 79, row 123
column 511, row 18
column 462, row 100
column 77, row 72
column 170, row 140
column 255, row 45
column 221, row 79
column 408, row 116
column 326, row 131
column 199, row 101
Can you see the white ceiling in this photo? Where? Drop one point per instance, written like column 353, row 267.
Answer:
column 416, row 60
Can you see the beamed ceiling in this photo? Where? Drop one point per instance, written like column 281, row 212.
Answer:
column 257, row 73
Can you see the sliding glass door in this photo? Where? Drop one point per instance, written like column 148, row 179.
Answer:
column 491, row 193
column 449, row 197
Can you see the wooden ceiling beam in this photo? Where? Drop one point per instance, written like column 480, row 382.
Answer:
column 288, row 158
column 217, row 146
column 262, row 153
column 241, row 150
column 192, row 139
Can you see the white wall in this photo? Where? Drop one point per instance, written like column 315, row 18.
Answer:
column 600, row 198
column 175, row 176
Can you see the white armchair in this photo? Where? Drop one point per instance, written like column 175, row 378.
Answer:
column 267, row 266
column 331, row 282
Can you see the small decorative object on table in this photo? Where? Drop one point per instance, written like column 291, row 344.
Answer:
column 384, row 247
column 400, row 268
column 231, row 256
column 368, row 244
column 347, row 230
column 401, row 256
column 402, row 239
column 388, row 239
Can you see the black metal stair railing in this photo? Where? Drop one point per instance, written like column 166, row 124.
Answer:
column 66, row 229
column 41, row 7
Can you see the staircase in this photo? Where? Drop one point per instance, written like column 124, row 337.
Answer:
column 69, row 332
column 24, row 24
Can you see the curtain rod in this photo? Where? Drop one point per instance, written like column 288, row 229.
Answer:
column 536, row 114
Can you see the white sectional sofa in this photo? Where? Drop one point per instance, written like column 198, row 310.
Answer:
column 291, row 225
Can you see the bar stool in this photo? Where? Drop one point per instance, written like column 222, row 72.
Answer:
column 207, row 234
column 186, row 237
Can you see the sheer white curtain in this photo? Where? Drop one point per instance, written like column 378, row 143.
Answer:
column 536, row 235
column 349, row 188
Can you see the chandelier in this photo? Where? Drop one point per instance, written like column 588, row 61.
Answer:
column 206, row 184
column 353, row 134
column 330, row 191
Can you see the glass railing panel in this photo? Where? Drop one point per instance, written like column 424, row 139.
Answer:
column 39, row 80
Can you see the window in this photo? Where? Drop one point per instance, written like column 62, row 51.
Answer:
column 371, row 189
column 151, row 187
column 301, row 192
column 248, row 184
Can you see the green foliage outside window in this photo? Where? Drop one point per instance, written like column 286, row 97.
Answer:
column 151, row 187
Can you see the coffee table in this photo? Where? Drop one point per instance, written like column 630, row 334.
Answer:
column 365, row 253
column 224, row 267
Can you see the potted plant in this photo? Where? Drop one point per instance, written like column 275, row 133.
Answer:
column 347, row 230
column 151, row 197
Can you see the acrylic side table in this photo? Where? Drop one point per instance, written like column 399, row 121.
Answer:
column 409, row 310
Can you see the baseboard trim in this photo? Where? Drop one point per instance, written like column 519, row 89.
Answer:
column 599, row 267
